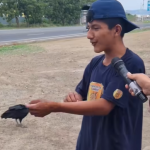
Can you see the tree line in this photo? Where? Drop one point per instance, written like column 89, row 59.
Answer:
column 62, row 12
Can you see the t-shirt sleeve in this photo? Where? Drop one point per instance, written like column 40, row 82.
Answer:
column 81, row 88
column 116, row 92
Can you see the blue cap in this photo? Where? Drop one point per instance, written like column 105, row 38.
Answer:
column 102, row 9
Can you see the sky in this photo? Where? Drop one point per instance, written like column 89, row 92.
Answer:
column 133, row 4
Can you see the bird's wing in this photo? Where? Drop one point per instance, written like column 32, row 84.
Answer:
column 9, row 114
column 16, row 107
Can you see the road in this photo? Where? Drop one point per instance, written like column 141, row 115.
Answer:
column 39, row 34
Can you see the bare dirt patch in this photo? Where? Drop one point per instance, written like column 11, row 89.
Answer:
column 51, row 73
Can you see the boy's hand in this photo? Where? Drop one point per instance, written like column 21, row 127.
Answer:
column 40, row 108
column 73, row 97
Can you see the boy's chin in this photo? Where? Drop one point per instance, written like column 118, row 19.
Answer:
column 97, row 50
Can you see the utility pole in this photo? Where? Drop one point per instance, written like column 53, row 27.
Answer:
column 142, row 9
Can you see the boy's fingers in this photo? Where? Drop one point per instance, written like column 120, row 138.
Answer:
column 77, row 97
column 72, row 97
column 31, row 106
column 34, row 101
column 32, row 112
column 68, row 99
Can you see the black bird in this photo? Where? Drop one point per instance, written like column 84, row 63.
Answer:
column 16, row 112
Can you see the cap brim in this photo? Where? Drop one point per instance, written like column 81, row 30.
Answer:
column 130, row 26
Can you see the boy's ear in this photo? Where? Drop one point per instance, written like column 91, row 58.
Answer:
column 118, row 30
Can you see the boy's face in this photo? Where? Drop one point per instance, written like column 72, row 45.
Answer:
column 100, row 36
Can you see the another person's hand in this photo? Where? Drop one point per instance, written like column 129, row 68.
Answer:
column 73, row 97
column 142, row 80
column 40, row 108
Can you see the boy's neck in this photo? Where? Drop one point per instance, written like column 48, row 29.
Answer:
column 116, row 51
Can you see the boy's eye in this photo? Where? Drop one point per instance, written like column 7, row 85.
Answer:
column 96, row 28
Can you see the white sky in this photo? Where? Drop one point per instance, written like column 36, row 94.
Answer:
column 133, row 4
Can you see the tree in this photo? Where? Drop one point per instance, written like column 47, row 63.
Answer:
column 33, row 10
column 10, row 9
column 48, row 9
column 63, row 12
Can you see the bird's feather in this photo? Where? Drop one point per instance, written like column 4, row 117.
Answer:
column 16, row 112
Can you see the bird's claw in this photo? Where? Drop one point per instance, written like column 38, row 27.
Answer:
column 21, row 126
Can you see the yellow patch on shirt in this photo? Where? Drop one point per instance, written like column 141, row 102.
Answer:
column 117, row 94
column 95, row 91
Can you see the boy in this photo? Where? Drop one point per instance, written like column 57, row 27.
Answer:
column 112, row 118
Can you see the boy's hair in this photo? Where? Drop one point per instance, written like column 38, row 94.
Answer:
column 112, row 22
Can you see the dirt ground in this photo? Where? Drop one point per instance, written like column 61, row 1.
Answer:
column 50, row 74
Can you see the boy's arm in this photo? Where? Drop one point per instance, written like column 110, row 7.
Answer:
column 97, row 107
column 41, row 108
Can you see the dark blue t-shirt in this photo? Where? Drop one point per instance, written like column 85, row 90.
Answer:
column 121, row 129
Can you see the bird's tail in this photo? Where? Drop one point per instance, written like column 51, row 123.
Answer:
column 6, row 114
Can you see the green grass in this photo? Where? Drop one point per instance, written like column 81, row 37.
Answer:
column 19, row 49
column 24, row 26
column 131, row 17
column 141, row 30
column 148, row 21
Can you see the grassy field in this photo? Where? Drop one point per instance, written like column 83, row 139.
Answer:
column 18, row 49
column 50, row 70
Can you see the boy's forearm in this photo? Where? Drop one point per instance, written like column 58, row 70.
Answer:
column 97, row 107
